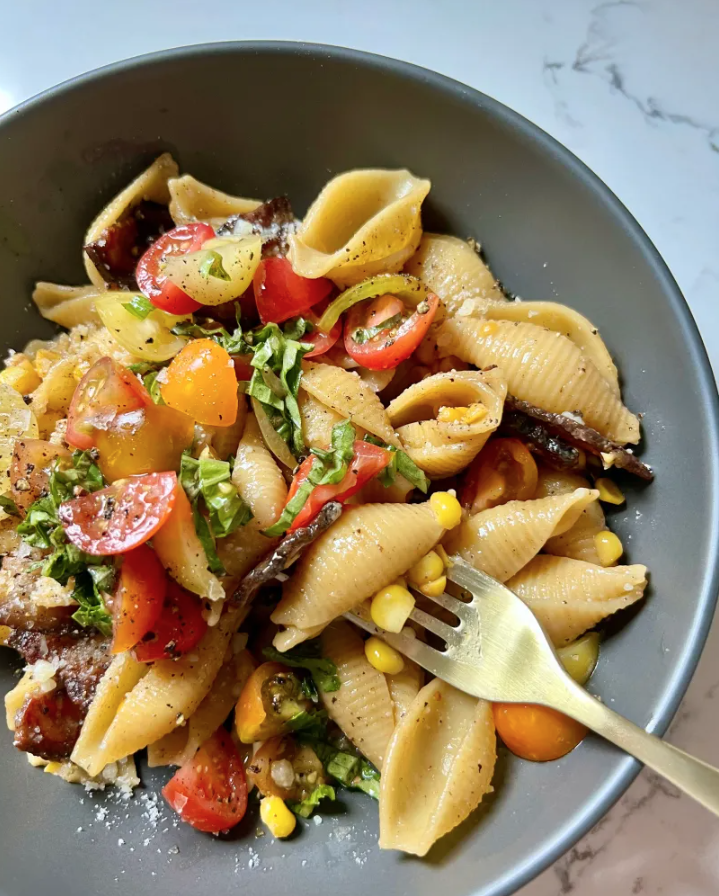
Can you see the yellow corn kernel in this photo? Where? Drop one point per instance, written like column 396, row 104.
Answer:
column 580, row 657
column 21, row 377
column 452, row 415
column 429, row 568
column 443, row 555
column 488, row 328
column 391, row 607
column 609, row 491
column 44, row 359
column 435, row 588
column 277, row 817
column 52, row 768
column 447, row 509
column 475, row 413
column 609, row 548
column 5, row 632
column 383, row 657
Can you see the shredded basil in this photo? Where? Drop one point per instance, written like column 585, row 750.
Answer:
column 401, row 464
column 329, row 467
column 349, row 769
column 212, row 266
column 308, row 656
column 235, row 343
column 153, row 387
column 364, row 334
column 307, row 806
column 90, row 584
column 9, row 506
column 312, row 722
column 139, row 307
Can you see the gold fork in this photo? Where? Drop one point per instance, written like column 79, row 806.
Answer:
column 498, row 651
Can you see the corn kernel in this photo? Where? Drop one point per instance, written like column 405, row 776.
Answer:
column 452, row 415
column 429, row 568
column 435, row 588
column 383, row 657
column 391, row 607
column 52, row 768
column 447, row 509
column 609, row 491
column 21, row 377
column 609, row 548
column 488, row 328
column 580, row 657
column 5, row 632
column 444, row 556
column 475, row 413
column 44, row 359
column 277, row 817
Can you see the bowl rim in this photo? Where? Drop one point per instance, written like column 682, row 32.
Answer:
column 626, row 768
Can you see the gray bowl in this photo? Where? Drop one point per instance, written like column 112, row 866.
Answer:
column 261, row 119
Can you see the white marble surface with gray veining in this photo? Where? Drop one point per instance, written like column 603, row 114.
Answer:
column 633, row 89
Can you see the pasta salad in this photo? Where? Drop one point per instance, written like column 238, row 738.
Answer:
column 251, row 425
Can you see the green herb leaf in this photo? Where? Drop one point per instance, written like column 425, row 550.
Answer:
column 364, row 334
column 90, row 584
column 207, row 540
column 40, row 523
column 142, row 367
column 401, row 464
column 313, row 722
column 233, row 343
column 349, row 769
column 307, row 806
column 211, row 479
column 81, row 474
column 290, row 511
column 139, row 307
column 309, row 689
column 309, row 656
column 212, row 266
column 9, row 506
column 153, row 387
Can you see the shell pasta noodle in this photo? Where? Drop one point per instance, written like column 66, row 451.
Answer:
column 254, row 424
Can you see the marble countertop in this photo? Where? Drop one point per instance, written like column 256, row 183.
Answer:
column 631, row 88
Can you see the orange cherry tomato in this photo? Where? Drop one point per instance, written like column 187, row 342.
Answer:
column 122, row 516
column 32, row 462
column 536, row 732
column 178, row 629
column 209, row 792
column 503, row 471
column 269, row 699
column 132, row 444
column 137, row 602
column 201, row 383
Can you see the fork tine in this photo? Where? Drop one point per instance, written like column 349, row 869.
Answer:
column 469, row 578
column 451, row 603
column 430, row 659
column 447, row 632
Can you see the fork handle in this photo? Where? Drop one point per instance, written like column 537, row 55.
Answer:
column 694, row 777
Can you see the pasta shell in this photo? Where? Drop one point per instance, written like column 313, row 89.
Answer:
column 570, row 596
column 346, row 394
column 121, row 676
column 191, row 200
column 443, row 449
column 501, row 540
column 577, row 542
column 542, row 367
column 453, row 270
column 363, row 222
column 67, row 306
column 257, row 476
column 150, row 185
column 362, row 707
column 366, row 549
column 181, row 744
column 404, row 687
column 317, row 420
column 439, row 766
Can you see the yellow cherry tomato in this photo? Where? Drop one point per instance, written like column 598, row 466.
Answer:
column 536, row 732
column 201, row 383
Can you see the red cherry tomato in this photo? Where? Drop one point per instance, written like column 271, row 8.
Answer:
column 149, row 274
column 536, row 733
column 122, row 516
column 138, row 600
column 391, row 346
column 243, row 367
column 281, row 294
column 106, row 390
column 179, row 628
column 210, row 791
column 322, row 342
column 368, row 461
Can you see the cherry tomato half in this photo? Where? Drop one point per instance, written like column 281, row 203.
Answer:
column 178, row 629
column 504, row 470
column 201, row 382
column 368, row 461
column 389, row 347
column 138, row 599
column 122, row 516
column 281, row 294
column 149, row 274
column 536, row 733
column 106, row 390
column 210, row 791
column 268, row 700
column 30, row 467
column 322, row 342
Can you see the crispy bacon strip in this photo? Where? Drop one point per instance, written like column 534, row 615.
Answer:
column 274, row 221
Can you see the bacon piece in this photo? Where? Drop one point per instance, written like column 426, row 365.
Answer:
column 48, row 724
column 274, row 221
